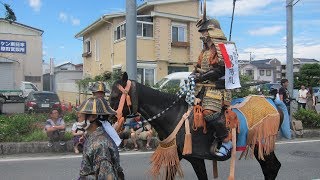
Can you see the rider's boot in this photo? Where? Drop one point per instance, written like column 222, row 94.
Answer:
column 216, row 120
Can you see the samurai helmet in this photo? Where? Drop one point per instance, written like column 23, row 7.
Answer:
column 97, row 106
column 99, row 86
column 210, row 25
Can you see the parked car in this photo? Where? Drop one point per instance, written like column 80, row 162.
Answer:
column 42, row 101
column 173, row 80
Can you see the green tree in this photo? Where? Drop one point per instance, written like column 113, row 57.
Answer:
column 309, row 75
column 9, row 15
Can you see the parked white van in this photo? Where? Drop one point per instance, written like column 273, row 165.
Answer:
column 176, row 79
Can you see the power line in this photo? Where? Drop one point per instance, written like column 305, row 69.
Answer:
column 292, row 2
column 296, row 2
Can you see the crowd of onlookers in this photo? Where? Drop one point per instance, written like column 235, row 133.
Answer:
column 306, row 98
column 136, row 128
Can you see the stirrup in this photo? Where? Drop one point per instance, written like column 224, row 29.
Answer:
column 221, row 158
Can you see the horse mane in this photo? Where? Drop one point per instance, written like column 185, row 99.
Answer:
column 159, row 99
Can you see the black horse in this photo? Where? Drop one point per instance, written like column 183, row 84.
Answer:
column 149, row 102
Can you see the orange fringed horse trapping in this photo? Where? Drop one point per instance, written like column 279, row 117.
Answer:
column 165, row 158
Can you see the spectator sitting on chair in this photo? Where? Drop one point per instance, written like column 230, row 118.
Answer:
column 55, row 128
column 78, row 129
column 141, row 130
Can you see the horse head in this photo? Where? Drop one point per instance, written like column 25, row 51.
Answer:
column 123, row 98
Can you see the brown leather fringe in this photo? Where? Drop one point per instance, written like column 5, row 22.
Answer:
column 166, row 161
column 187, row 147
column 263, row 134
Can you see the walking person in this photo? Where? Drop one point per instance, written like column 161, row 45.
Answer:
column 302, row 100
column 99, row 90
column 100, row 155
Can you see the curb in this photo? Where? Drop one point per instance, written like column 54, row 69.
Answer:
column 41, row 147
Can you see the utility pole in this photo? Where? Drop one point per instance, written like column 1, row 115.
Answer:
column 289, row 68
column 131, row 39
column 234, row 5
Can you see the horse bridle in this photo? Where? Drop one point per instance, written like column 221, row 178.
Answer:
column 125, row 98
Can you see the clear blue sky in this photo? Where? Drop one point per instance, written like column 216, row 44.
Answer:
column 259, row 25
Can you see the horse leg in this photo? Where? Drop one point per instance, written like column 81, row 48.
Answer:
column 270, row 166
column 199, row 167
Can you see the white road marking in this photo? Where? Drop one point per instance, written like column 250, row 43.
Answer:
column 297, row 142
column 121, row 154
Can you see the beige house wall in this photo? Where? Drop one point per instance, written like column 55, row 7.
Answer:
column 157, row 49
column 100, row 45
column 186, row 8
column 30, row 63
column 180, row 55
column 162, row 69
column 120, row 53
column 162, row 36
column 196, row 45
column 71, row 97
column 145, row 49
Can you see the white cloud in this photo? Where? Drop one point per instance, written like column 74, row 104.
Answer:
column 35, row 4
column 266, row 31
column 44, row 53
column 243, row 8
column 63, row 17
column 75, row 21
column 61, row 47
column 299, row 51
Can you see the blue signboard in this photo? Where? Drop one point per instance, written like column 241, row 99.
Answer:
column 9, row 46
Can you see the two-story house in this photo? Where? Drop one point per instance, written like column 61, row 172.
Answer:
column 167, row 40
column 262, row 70
column 297, row 64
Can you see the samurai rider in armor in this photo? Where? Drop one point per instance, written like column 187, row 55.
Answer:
column 210, row 83
column 99, row 90
column 100, row 154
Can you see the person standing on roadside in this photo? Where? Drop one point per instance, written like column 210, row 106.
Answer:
column 284, row 93
column 302, row 100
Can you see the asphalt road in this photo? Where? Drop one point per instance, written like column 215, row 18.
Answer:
column 300, row 161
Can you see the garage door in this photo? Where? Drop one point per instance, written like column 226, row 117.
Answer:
column 6, row 75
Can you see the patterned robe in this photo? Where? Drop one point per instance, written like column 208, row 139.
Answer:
column 100, row 157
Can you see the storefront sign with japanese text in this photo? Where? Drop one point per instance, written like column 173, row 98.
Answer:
column 9, row 46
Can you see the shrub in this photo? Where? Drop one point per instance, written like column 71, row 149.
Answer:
column 309, row 118
column 70, row 117
column 14, row 127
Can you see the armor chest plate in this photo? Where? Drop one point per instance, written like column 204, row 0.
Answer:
column 205, row 64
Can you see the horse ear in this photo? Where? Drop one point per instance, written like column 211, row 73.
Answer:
column 125, row 77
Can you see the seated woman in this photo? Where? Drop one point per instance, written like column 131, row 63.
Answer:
column 55, row 128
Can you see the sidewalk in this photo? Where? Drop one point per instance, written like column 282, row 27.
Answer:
column 41, row 147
